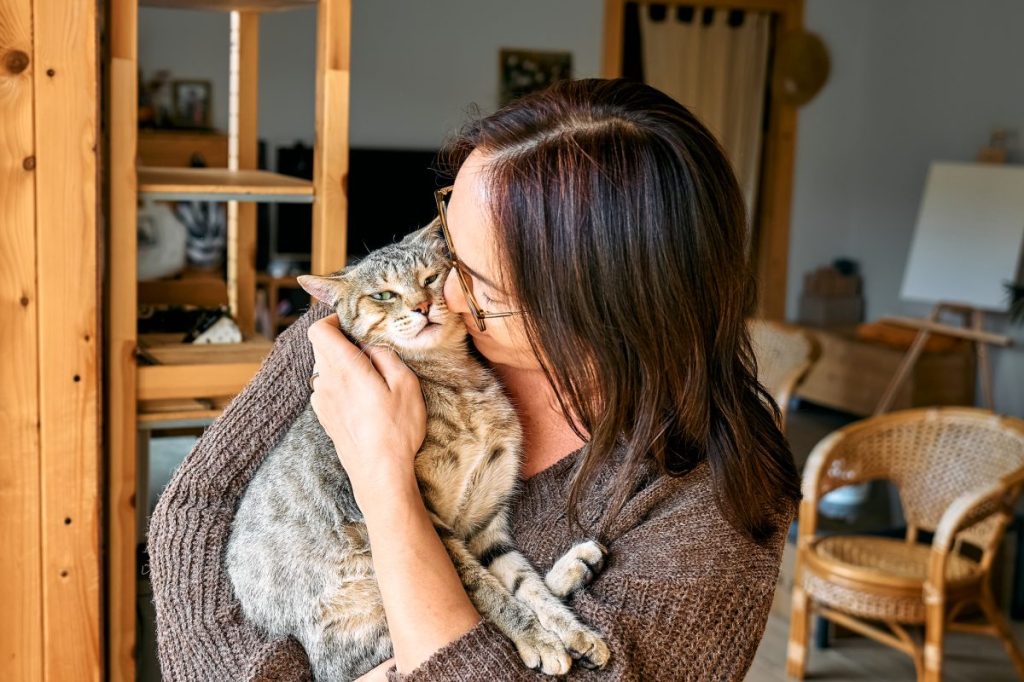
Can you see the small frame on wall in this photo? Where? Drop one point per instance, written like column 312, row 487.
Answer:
column 193, row 103
column 524, row 71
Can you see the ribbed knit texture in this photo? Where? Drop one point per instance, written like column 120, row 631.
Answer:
column 683, row 595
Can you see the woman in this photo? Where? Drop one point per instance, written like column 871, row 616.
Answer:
column 598, row 237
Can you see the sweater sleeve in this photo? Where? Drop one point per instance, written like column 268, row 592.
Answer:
column 201, row 632
column 659, row 624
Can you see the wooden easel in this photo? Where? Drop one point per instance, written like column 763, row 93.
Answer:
column 972, row 329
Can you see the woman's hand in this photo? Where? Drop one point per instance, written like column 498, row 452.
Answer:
column 371, row 406
column 378, row 674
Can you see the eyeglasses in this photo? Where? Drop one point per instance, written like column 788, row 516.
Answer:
column 465, row 280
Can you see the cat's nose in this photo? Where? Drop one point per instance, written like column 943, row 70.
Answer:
column 423, row 307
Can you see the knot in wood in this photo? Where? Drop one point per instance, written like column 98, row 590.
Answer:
column 16, row 61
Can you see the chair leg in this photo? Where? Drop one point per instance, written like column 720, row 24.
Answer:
column 988, row 605
column 934, row 627
column 796, row 650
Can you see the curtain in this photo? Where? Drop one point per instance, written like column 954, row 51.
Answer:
column 716, row 63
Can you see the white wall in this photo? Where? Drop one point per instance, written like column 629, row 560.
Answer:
column 416, row 66
column 912, row 81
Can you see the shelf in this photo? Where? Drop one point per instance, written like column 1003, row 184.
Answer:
column 203, row 292
column 191, row 371
column 221, row 184
column 230, row 5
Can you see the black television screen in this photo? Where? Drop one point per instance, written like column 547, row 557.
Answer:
column 390, row 193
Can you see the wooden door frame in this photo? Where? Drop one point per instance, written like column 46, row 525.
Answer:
column 775, row 195
column 50, row 410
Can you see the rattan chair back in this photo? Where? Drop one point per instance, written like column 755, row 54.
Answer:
column 932, row 455
column 784, row 356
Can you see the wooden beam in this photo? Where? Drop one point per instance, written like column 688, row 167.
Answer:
column 614, row 27
column 67, row 139
column 330, row 148
column 121, row 302
column 170, row 382
column 243, row 154
column 21, row 628
column 776, row 195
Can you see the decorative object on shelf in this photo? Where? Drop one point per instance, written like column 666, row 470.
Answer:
column 156, row 104
column 214, row 327
column 524, row 71
column 162, row 239
column 967, row 243
column 207, row 226
column 193, row 103
column 832, row 295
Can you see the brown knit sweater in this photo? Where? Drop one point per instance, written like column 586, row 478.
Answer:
column 683, row 596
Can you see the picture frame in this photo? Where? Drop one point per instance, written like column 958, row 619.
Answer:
column 524, row 71
column 193, row 104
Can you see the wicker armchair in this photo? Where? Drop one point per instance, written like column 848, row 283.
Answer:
column 959, row 472
column 784, row 356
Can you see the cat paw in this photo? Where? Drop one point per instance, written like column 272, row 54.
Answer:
column 543, row 651
column 586, row 646
column 576, row 568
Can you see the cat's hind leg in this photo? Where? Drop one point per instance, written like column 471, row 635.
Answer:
column 350, row 636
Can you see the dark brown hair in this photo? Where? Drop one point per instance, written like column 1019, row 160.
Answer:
column 623, row 231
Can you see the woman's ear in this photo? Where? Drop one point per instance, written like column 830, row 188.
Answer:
column 329, row 290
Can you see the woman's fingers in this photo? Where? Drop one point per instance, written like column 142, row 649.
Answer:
column 332, row 351
column 387, row 363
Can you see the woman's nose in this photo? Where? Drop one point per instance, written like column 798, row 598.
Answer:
column 453, row 296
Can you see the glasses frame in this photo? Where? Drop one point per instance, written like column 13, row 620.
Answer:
column 465, row 280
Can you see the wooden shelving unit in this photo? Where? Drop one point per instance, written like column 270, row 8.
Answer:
column 156, row 380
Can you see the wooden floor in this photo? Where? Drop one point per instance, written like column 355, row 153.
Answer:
column 969, row 658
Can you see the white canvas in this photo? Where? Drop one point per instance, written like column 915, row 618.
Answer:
column 969, row 235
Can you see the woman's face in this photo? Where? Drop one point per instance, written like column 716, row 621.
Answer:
column 472, row 233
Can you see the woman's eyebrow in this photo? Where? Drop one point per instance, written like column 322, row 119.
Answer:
column 478, row 276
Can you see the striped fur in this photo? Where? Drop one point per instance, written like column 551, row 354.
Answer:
column 299, row 555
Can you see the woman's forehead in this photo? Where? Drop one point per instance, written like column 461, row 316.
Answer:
column 468, row 218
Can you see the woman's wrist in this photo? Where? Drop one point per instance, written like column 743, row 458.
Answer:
column 389, row 492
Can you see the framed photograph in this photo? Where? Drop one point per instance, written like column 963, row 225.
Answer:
column 193, row 103
column 523, row 71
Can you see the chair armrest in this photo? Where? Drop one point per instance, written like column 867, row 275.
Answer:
column 966, row 511
column 818, row 463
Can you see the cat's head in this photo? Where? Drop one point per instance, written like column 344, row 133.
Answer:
column 393, row 297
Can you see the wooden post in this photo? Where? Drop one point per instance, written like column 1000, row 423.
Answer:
column 243, row 152
column 67, row 204
column 121, row 297
column 21, row 629
column 330, row 149
column 49, row 396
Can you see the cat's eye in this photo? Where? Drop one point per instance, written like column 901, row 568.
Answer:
column 430, row 280
column 383, row 296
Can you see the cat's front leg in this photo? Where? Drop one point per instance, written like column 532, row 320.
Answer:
column 540, row 649
column 493, row 546
column 575, row 569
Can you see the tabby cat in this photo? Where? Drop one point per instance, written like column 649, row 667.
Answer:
column 299, row 556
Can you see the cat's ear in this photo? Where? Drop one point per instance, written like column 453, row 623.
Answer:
column 429, row 235
column 326, row 289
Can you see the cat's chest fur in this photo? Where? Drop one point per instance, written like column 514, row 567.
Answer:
column 469, row 463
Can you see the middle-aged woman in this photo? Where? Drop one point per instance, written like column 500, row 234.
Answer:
column 598, row 240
